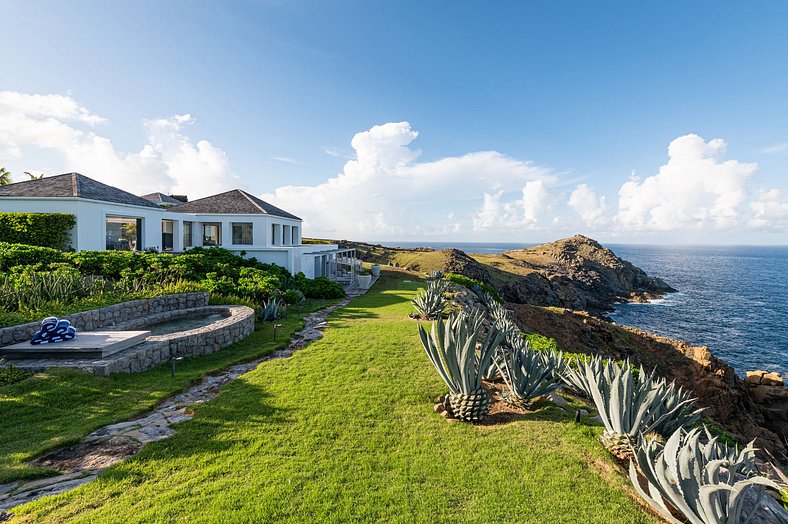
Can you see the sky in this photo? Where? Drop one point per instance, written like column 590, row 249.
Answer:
column 630, row 122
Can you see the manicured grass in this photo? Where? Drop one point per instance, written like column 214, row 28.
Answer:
column 344, row 432
column 62, row 406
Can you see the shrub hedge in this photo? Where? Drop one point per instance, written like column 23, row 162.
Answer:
column 37, row 229
column 30, row 275
column 470, row 282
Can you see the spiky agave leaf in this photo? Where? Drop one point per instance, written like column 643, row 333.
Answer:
column 630, row 407
column 431, row 303
column 685, row 474
column 578, row 379
column 271, row 310
column 527, row 375
column 452, row 349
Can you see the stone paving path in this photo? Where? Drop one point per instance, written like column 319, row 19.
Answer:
column 83, row 462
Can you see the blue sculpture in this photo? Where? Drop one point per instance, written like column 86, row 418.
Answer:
column 54, row 330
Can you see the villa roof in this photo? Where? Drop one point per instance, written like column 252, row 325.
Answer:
column 162, row 199
column 72, row 185
column 233, row 202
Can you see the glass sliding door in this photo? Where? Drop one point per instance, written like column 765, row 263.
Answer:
column 187, row 235
column 167, row 236
column 123, row 233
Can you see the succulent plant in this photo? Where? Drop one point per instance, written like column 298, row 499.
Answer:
column 436, row 274
column 693, row 479
column 272, row 309
column 451, row 347
column 630, row 408
column 484, row 297
column 675, row 400
column 527, row 375
column 431, row 303
column 577, row 379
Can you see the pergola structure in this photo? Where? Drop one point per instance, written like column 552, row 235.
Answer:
column 339, row 265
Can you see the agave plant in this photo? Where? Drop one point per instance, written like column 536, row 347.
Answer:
column 578, row 379
column 692, row 478
column 484, row 297
column 629, row 408
column 451, row 347
column 431, row 303
column 436, row 274
column 272, row 309
column 674, row 400
column 527, row 375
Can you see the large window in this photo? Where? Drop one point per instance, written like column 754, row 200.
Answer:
column 187, row 234
column 212, row 234
column 242, row 233
column 296, row 240
column 124, row 233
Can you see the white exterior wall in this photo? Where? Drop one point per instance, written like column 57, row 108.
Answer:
column 90, row 230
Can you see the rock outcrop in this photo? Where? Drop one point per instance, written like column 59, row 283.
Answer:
column 575, row 273
column 747, row 411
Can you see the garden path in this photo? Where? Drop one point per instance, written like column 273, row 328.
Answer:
column 83, row 462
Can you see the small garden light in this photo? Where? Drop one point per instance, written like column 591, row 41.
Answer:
column 172, row 364
column 276, row 326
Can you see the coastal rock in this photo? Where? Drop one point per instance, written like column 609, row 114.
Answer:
column 764, row 378
column 575, row 273
column 748, row 412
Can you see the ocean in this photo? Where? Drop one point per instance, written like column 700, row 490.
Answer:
column 733, row 299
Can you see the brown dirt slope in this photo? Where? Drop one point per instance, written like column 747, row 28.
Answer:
column 729, row 400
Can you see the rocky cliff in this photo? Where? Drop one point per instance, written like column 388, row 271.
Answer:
column 747, row 410
column 575, row 273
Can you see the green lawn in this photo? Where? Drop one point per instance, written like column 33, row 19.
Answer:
column 62, row 406
column 344, row 432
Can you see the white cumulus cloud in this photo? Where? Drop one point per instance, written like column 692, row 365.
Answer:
column 385, row 192
column 696, row 189
column 770, row 210
column 169, row 161
column 591, row 208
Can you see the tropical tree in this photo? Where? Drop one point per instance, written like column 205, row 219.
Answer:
column 5, row 177
column 34, row 177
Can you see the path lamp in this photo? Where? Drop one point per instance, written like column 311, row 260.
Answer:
column 172, row 365
column 276, row 326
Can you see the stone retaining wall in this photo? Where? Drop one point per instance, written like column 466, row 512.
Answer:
column 111, row 316
column 237, row 325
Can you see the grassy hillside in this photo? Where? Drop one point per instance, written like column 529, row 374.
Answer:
column 344, row 432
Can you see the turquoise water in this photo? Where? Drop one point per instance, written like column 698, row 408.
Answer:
column 733, row 299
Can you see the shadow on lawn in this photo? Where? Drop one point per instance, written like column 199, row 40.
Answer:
column 239, row 418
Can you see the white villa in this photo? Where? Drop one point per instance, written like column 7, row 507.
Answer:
column 110, row 218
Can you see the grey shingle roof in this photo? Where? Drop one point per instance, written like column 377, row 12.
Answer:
column 234, row 202
column 161, row 198
column 73, row 185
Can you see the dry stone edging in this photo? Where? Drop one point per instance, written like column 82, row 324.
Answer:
column 114, row 443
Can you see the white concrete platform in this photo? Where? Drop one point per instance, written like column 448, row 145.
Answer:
column 90, row 344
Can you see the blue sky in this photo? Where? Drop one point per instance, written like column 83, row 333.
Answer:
column 549, row 96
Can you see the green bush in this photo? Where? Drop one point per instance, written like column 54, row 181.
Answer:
column 13, row 255
column 12, row 374
column 292, row 296
column 320, row 287
column 37, row 229
column 470, row 282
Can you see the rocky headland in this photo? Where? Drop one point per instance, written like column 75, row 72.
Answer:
column 564, row 289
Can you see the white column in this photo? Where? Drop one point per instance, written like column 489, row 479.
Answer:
column 177, row 236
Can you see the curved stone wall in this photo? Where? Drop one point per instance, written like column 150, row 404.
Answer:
column 236, row 325
column 111, row 317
